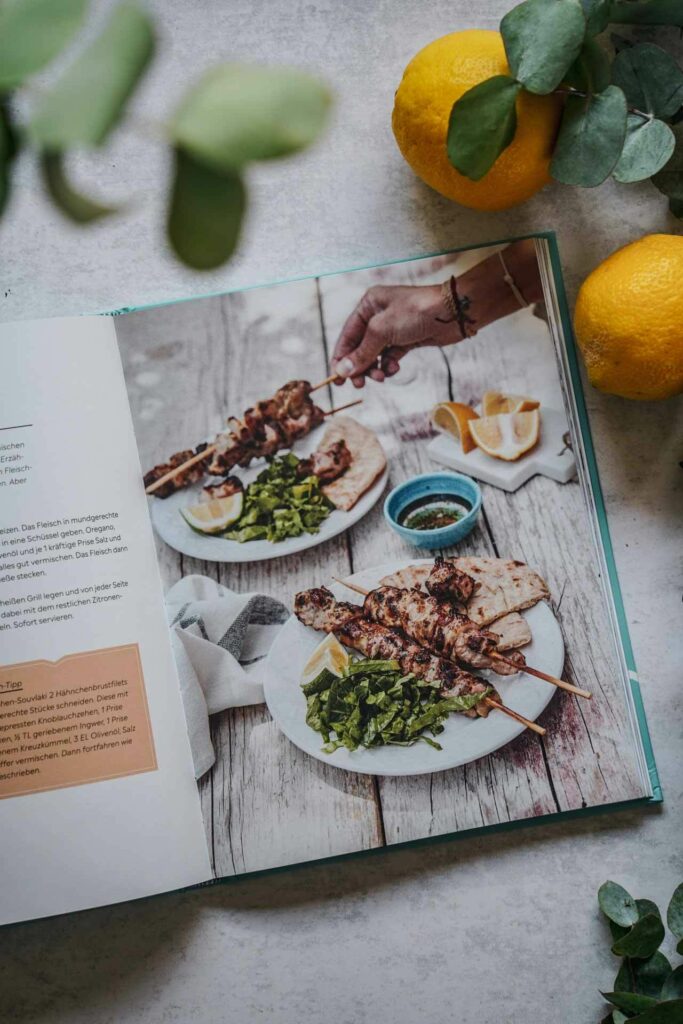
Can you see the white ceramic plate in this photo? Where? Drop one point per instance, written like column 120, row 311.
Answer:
column 463, row 739
column 172, row 528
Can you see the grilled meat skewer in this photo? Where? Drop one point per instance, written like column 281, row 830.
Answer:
column 266, row 427
column 319, row 608
column 448, row 583
column 438, row 627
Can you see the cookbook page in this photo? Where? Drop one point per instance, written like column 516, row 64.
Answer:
column 97, row 795
column 276, row 515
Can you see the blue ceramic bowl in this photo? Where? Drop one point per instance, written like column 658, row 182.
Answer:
column 436, row 484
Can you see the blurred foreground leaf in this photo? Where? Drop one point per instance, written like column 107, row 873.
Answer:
column 482, row 123
column 206, row 211
column 89, row 99
column 238, row 113
column 32, row 33
column 72, row 204
column 542, row 40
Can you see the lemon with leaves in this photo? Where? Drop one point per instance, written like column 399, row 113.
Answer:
column 438, row 76
column 629, row 320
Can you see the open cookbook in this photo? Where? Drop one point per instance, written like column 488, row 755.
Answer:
column 253, row 614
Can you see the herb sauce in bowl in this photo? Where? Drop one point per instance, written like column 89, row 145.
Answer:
column 434, row 511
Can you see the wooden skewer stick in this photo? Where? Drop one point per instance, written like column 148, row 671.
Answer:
column 500, row 657
column 210, row 449
column 513, row 714
column 560, row 683
column 323, row 383
column 487, row 700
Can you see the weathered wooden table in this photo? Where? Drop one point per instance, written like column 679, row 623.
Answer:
column 191, row 364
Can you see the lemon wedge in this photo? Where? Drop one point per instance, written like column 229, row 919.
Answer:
column 328, row 654
column 214, row 516
column 508, row 435
column 496, row 402
column 453, row 418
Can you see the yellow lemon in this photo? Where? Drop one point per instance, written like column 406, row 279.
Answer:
column 453, row 418
column 629, row 319
column 495, row 402
column 434, row 79
column 328, row 654
column 214, row 516
column 508, row 435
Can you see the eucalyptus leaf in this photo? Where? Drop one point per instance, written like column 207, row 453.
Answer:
column 617, row 930
column 32, row 33
column 591, row 138
column 8, row 150
column 674, row 913
column 650, row 79
column 673, row 984
column 237, row 113
column 663, row 1013
column 670, row 181
column 618, row 1017
column 643, row 939
column 597, row 15
column 649, row 975
column 591, row 71
column 482, row 123
column 542, row 40
column 90, row 98
column 206, row 212
column 617, row 905
column 71, row 203
column 647, row 12
column 629, row 1002
column 679, row 945
column 648, row 907
column 624, row 979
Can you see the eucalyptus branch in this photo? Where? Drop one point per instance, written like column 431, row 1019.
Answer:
column 587, row 95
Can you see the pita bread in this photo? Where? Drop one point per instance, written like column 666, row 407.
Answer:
column 368, row 461
column 413, row 577
column 512, row 630
column 504, row 586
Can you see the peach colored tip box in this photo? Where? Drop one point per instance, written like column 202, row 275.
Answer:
column 81, row 719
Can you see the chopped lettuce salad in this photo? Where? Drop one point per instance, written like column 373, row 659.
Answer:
column 278, row 504
column 373, row 704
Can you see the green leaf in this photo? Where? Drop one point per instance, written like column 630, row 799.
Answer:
column 649, row 975
column 542, row 40
column 618, row 1017
column 617, row 905
column 89, row 99
column 647, row 12
column 624, row 979
column 672, row 987
column 206, row 211
column 32, row 33
column 8, row 151
column 71, row 203
column 591, row 138
column 643, row 939
column 482, row 123
column 648, row 907
column 670, row 181
column 617, row 930
column 679, row 945
column 591, row 71
column 238, row 113
column 597, row 15
column 629, row 1002
column 662, row 1013
column 674, row 913
column 650, row 79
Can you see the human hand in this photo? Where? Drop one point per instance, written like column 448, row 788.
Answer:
column 388, row 322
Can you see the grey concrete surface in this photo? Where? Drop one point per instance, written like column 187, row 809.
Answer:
column 497, row 928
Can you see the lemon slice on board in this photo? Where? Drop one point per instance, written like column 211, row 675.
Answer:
column 507, row 436
column 453, row 418
column 496, row 402
column 328, row 654
column 214, row 516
